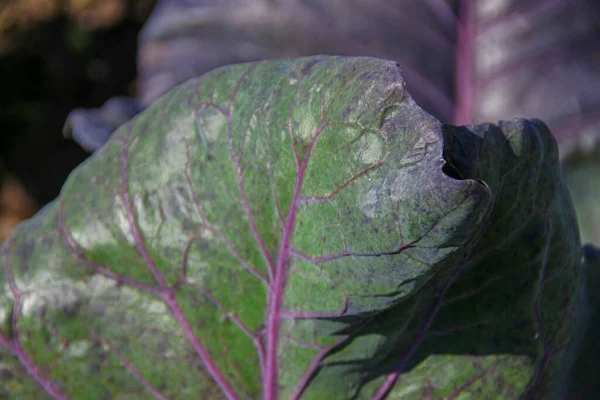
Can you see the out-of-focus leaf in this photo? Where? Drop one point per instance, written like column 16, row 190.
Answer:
column 534, row 58
column 92, row 128
column 183, row 39
column 581, row 172
column 298, row 229
column 15, row 206
column 464, row 61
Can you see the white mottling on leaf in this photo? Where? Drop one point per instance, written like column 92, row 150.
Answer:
column 370, row 149
column 196, row 272
column 122, row 222
column 206, row 234
column 4, row 314
column 99, row 283
column 414, row 155
column 210, row 124
column 307, row 128
column 157, row 307
column 252, row 123
column 260, row 149
column 62, row 294
column 102, row 291
column 419, row 150
column 78, row 349
column 137, row 302
column 403, row 184
column 103, row 234
column 370, row 201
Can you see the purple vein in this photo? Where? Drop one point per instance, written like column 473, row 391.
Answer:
column 239, row 323
column 211, row 366
column 134, row 371
column 276, row 298
column 393, row 377
column 278, row 287
column 474, row 379
column 132, row 223
column 252, row 269
column 337, row 190
column 16, row 347
column 210, row 104
column 320, row 259
column 231, row 316
column 238, row 168
column 99, row 268
column 237, row 255
column 312, row 369
column 213, row 106
column 275, row 301
column 241, row 259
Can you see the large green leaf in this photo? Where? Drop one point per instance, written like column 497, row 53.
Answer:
column 298, row 229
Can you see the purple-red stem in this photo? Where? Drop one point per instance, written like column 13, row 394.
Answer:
column 271, row 379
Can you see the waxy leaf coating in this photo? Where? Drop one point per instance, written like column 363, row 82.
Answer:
column 298, row 229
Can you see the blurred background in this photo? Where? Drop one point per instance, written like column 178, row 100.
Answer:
column 72, row 71
column 56, row 56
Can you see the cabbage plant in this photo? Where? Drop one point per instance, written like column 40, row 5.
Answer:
column 302, row 229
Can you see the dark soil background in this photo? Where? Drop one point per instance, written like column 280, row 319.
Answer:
column 55, row 56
